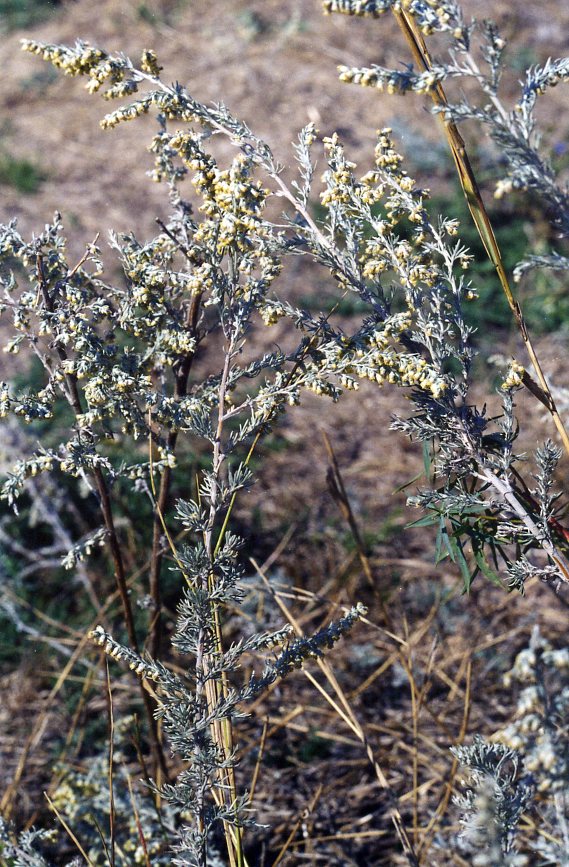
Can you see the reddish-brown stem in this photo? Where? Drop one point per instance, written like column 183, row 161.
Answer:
column 118, row 562
column 157, row 556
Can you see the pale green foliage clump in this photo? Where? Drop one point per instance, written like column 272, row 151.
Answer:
column 22, row 850
column 523, row 770
column 497, row 796
column 141, row 830
column 538, row 731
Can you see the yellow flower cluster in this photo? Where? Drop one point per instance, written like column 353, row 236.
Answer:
column 444, row 17
column 111, row 648
column 188, row 147
column 378, row 360
column 391, row 80
column 388, row 162
column 349, row 383
column 380, row 255
column 400, row 368
column 40, row 463
column 386, row 158
column 99, row 74
column 339, row 177
column 361, row 8
column 99, row 388
column 503, row 187
column 119, row 90
column 4, row 399
column 200, row 280
column 127, row 112
column 169, row 104
column 552, row 74
column 230, row 189
column 149, row 63
column 94, row 392
column 271, row 312
column 73, row 61
column 320, row 387
column 514, row 377
column 64, row 799
column 310, row 134
column 84, row 59
column 178, row 342
column 230, row 196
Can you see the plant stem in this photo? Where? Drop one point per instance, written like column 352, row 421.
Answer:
column 222, row 731
column 482, row 222
column 180, row 391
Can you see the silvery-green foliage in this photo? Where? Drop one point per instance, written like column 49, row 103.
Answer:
column 547, row 457
column 498, row 793
column 50, row 511
column 21, row 850
column 442, row 16
column 524, row 769
column 413, row 288
column 539, row 733
column 186, row 714
column 121, row 356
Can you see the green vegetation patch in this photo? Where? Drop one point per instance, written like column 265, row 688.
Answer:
column 20, row 173
column 15, row 14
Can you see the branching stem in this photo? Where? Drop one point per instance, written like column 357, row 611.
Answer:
column 105, row 505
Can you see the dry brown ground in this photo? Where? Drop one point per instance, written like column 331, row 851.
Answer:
column 273, row 64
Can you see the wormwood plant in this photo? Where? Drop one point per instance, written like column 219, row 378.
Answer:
column 525, row 764
column 122, row 358
column 168, row 354
column 528, row 169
